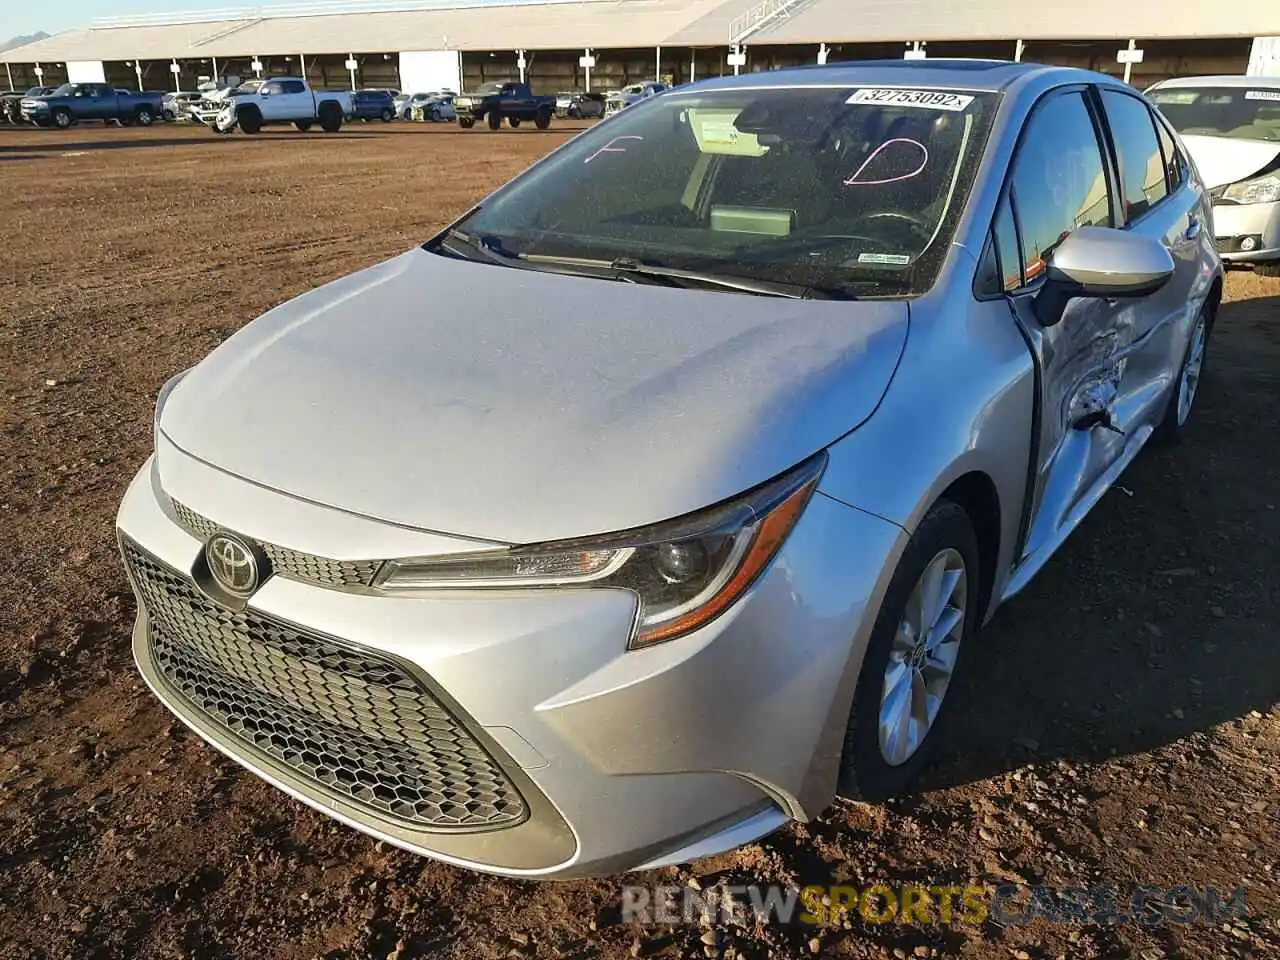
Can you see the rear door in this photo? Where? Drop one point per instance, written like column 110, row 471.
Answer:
column 1157, row 201
column 1060, row 180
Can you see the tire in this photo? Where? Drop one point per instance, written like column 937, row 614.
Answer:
column 302, row 126
column 1173, row 428
column 170, row 116
column 330, row 117
column 543, row 119
column 1267, row 269
column 466, row 123
column 433, row 115
column 388, row 115
column 250, row 121
column 945, row 536
column 62, row 118
column 144, row 116
column 514, row 122
column 495, row 119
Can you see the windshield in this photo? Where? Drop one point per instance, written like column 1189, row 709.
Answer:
column 486, row 89
column 1238, row 113
column 834, row 189
column 66, row 90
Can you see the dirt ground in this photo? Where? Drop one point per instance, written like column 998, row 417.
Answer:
column 1121, row 719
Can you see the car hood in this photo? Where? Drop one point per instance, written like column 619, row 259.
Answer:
column 518, row 406
column 1223, row 160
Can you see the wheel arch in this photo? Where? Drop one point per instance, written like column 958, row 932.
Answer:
column 975, row 492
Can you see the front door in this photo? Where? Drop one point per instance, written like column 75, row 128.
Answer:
column 1060, row 182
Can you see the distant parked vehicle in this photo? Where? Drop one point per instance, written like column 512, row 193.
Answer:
column 72, row 103
column 587, row 106
column 440, row 109
column 178, row 106
column 11, row 103
column 373, row 105
column 1231, row 126
column 512, row 101
column 214, row 99
column 415, row 102
column 621, row 99
column 284, row 100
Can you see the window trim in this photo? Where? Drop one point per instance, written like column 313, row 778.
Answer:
column 1115, row 154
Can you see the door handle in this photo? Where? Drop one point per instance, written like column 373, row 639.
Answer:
column 1193, row 229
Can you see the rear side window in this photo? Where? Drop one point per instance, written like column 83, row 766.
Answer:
column 1138, row 152
column 1059, row 181
column 1175, row 166
column 294, row 86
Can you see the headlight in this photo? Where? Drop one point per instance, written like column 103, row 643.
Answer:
column 1264, row 189
column 162, row 398
column 685, row 572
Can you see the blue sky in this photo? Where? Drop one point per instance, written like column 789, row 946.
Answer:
column 19, row 17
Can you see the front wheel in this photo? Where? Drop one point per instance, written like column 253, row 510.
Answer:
column 388, row 115
column 62, row 119
column 466, row 123
column 929, row 611
column 543, row 119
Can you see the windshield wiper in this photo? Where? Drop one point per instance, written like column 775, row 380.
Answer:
column 762, row 288
column 628, row 270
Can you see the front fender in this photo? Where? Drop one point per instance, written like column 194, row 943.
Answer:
column 961, row 402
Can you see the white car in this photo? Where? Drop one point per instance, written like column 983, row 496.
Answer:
column 281, row 100
column 1231, row 127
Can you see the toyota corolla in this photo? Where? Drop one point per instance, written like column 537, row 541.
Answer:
column 657, row 500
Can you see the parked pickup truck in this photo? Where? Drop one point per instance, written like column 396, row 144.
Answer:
column 515, row 102
column 283, row 100
column 74, row 102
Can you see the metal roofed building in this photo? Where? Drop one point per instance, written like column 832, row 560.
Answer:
column 425, row 44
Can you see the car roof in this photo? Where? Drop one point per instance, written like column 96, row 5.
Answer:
column 935, row 72
column 1222, row 81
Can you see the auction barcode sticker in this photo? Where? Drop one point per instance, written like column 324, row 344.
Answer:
column 928, row 99
column 1262, row 95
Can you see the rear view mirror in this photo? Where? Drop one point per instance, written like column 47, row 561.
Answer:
column 1101, row 262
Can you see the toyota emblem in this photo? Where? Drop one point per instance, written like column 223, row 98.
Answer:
column 233, row 563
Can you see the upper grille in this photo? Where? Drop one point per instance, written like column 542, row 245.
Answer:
column 346, row 720
column 294, row 564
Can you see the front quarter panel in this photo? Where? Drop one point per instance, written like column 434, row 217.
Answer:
column 962, row 401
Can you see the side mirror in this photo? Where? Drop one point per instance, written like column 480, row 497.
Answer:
column 1101, row 262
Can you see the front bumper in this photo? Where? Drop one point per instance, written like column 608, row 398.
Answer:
column 623, row 759
column 1255, row 226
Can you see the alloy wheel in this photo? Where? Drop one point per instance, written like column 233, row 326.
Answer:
column 923, row 656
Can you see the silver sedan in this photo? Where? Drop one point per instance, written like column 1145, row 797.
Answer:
column 656, row 501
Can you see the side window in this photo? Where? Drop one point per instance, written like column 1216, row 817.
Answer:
column 1059, row 182
column 294, row 86
column 1001, row 268
column 1005, row 240
column 273, row 89
column 1138, row 152
column 1175, row 166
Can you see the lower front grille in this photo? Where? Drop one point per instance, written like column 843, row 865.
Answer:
column 337, row 718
